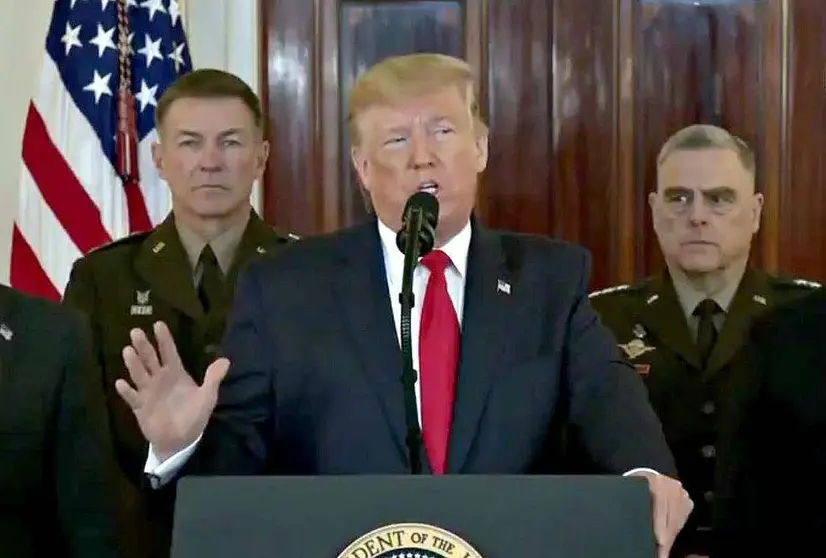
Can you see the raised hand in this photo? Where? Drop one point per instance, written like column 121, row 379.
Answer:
column 171, row 409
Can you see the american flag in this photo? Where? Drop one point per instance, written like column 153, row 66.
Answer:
column 87, row 175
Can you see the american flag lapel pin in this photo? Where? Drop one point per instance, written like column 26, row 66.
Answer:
column 503, row 286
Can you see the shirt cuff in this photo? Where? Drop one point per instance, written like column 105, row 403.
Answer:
column 160, row 472
column 640, row 470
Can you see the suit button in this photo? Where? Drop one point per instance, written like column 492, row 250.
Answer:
column 708, row 408
column 709, row 451
column 708, row 496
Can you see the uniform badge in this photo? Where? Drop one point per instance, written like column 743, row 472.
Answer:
column 639, row 331
column 759, row 299
column 609, row 290
column 805, row 283
column 6, row 332
column 260, row 249
column 142, row 308
column 642, row 369
column 635, row 348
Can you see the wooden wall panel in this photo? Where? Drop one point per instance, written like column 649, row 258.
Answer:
column 518, row 110
column 292, row 186
column 551, row 108
column 695, row 64
column 803, row 202
column 579, row 95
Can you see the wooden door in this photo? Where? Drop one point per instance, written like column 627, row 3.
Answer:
column 579, row 96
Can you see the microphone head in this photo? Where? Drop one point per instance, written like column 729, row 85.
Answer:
column 428, row 206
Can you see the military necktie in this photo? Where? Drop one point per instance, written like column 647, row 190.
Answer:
column 706, row 331
column 211, row 287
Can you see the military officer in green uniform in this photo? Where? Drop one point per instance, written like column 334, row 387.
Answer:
column 682, row 329
column 211, row 151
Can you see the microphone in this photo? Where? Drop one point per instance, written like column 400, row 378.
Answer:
column 415, row 239
column 419, row 219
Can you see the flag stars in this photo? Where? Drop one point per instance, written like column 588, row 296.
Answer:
column 105, row 3
column 151, row 50
column 174, row 11
column 146, row 95
column 71, row 38
column 177, row 57
column 103, row 40
column 99, row 86
column 153, row 6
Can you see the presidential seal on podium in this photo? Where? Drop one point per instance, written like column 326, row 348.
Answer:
column 409, row 540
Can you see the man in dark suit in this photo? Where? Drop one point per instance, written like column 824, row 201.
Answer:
column 53, row 494
column 182, row 273
column 313, row 337
column 705, row 212
column 773, row 450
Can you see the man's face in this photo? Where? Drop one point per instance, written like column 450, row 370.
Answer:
column 429, row 141
column 705, row 210
column 210, row 154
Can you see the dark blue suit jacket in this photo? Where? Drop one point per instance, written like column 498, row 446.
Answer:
column 54, row 443
column 314, row 386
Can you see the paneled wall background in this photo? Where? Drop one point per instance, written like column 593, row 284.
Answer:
column 579, row 96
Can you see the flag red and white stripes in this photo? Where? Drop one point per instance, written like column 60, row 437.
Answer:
column 87, row 175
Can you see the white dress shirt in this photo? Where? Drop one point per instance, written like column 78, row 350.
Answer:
column 455, row 274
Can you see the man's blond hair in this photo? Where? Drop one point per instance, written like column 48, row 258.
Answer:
column 707, row 136
column 400, row 78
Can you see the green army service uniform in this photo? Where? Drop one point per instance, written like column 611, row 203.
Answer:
column 656, row 330
column 132, row 283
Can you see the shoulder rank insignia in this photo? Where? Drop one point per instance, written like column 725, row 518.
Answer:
column 128, row 239
column 635, row 348
column 805, row 283
column 609, row 290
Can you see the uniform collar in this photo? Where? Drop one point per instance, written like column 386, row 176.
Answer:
column 689, row 297
column 224, row 245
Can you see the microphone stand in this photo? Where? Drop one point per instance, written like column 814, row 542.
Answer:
column 409, row 374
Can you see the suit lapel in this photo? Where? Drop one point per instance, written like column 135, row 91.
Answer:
column 163, row 263
column 482, row 338
column 752, row 297
column 360, row 288
column 664, row 318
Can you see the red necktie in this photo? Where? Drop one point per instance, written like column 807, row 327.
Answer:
column 438, row 358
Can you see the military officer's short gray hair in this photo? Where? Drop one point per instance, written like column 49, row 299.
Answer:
column 707, row 136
